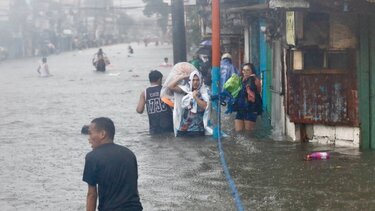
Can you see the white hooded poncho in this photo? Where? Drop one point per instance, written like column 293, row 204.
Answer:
column 183, row 100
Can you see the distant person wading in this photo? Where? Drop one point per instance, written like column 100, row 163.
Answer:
column 100, row 61
column 43, row 69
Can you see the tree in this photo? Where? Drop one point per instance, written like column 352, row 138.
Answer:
column 125, row 23
column 193, row 34
column 160, row 9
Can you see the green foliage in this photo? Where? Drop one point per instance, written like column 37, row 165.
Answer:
column 160, row 9
column 193, row 35
column 125, row 22
column 125, row 19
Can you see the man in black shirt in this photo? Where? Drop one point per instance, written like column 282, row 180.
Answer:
column 110, row 170
column 160, row 115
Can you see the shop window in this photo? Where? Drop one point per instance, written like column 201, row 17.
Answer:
column 313, row 59
column 337, row 60
column 315, row 30
column 323, row 43
column 320, row 60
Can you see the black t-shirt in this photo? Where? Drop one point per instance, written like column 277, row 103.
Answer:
column 114, row 169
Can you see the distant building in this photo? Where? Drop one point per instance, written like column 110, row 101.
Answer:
column 4, row 10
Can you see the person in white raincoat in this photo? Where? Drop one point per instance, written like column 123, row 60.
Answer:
column 43, row 69
column 191, row 102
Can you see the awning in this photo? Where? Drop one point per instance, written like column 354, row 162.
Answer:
column 288, row 4
column 273, row 4
column 254, row 7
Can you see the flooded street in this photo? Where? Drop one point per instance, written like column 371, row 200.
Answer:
column 42, row 151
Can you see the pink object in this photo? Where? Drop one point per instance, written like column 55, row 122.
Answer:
column 317, row 156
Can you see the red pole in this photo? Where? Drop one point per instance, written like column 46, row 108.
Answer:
column 216, row 33
column 215, row 72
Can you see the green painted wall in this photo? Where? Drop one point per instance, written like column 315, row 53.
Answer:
column 372, row 82
column 269, row 78
column 366, row 82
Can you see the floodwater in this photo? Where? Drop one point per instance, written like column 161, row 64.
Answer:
column 42, row 151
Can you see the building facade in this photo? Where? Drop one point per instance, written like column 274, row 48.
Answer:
column 316, row 60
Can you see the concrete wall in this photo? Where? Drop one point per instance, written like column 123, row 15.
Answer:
column 277, row 107
column 333, row 135
column 292, row 130
column 338, row 135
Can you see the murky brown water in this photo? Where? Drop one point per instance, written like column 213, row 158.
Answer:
column 42, row 151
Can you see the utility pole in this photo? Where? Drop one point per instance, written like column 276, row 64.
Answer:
column 178, row 28
column 215, row 71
